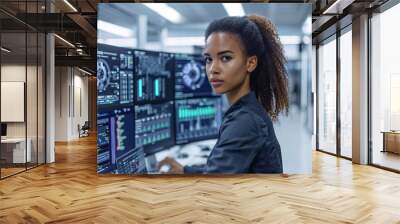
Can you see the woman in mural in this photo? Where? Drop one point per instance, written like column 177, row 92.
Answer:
column 245, row 61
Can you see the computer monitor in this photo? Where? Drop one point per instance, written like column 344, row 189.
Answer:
column 190, row 77
column 115, row 137
column 154, row 126
column 3, row 129
column 114, row 76
column 126, row 81
column 103, row 144
column 154, row 76
column 197, row 119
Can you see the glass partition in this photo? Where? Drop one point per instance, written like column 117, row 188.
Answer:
column 13, row 109
column 22, row 80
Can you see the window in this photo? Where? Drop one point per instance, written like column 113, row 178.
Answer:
column 346, row 93
column 385, row 89
column 327, row 96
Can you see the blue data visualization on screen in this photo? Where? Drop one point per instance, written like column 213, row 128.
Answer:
column 116, row 139
column 154, row 126
column 132, row 162
column 190, row 77
column 154, row 76
column 147, row 102
column 115, row 83
column 197, row 119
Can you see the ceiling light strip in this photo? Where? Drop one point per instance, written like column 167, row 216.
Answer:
column 64, row 40
column 70, row 5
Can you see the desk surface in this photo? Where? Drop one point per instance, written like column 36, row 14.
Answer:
column 13, row 140
column 390, row 132
column 194, row 154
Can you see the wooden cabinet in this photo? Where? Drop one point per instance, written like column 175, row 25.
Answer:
column 391, row 142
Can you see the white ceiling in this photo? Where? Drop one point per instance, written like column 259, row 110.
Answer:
column 287, row 17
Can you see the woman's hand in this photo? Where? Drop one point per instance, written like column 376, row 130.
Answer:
column 175, row 167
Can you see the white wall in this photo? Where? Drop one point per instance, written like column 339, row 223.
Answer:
column 71, row 94
column 61, row 103
column 14, row 73
column 33, row 126
column 80, row 103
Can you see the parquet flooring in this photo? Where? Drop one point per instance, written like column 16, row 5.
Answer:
column 70, row 191
column 10, row 171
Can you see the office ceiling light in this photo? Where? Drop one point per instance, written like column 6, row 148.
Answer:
column 234, row 9
column 5, row 50
column 79, row 51
column 286, row 40
column 65, row 41
column 185, row 41
column 113, row 29
column 165, row 11
column 70, row 5
column 338, row 6
column 84, row 71
column 119, row 42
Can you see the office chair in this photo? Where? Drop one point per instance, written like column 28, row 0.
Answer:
column 84, row 130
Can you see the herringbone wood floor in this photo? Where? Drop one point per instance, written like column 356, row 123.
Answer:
column 70, row 191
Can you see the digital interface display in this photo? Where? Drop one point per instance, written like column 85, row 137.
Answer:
column 127, row 90
column 154, row 76
column 103, row 144
column 190, row 77
column 132, row 162
column 115, row 137
column 148, row 102
column 197, row 119
column 154, row 126
column 115, row 83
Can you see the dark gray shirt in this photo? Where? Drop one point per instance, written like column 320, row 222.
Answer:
column 246, row 142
